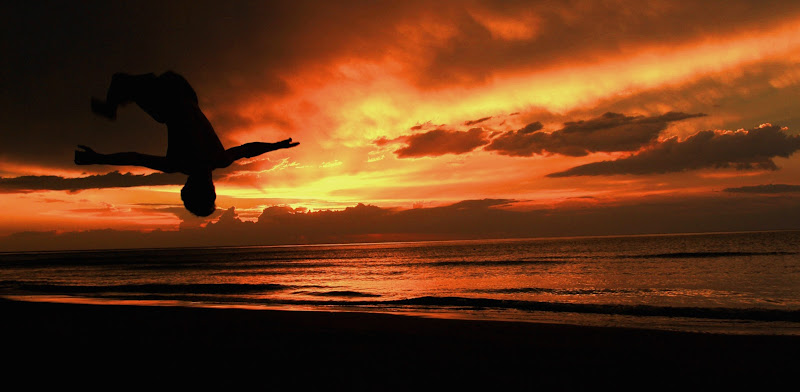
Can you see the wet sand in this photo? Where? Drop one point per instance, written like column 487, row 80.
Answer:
column 144, row 345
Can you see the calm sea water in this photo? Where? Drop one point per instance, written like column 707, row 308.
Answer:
column 728, row 283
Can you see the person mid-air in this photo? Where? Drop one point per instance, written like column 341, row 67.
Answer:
column 193, row 147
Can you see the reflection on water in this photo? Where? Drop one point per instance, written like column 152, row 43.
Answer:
column 714, row 281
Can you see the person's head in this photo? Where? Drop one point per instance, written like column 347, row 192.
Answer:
column 198, row 194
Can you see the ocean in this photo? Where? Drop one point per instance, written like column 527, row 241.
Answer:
column 734, row 283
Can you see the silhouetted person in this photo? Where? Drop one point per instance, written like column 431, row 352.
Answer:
column 193, row 147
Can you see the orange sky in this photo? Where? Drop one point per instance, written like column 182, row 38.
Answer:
column 386, row 101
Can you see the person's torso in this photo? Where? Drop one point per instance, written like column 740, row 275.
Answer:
column 192, row 143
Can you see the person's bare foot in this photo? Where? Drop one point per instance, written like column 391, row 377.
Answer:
column 85, row 157
column 102, row 108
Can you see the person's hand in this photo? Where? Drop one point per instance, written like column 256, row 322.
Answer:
column 286, row 143
column 85, row 157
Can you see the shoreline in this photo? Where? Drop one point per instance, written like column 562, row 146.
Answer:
column 357, row 349
column 669, row 323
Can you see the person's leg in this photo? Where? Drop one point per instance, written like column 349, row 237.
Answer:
column 87, row 156
column 124, row 89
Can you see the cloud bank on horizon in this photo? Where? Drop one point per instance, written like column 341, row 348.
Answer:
column 406, row 103
column 470, row 219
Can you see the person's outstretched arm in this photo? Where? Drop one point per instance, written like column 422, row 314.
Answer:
column 90, row 157
column 253, row 149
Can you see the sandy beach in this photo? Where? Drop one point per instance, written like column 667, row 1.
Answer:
column 371, row 351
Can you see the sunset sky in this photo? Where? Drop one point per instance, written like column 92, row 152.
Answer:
column 536, row 118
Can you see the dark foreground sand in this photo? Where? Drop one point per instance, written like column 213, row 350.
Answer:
column 68, row 344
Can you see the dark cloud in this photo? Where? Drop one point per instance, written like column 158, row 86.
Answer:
column 610, row 132
column 480, row 204
column 478, row 121
column 743, row 150
column 441, row 141
column 380, row 142
column 111, row 180
column 765, row 189
column 422, row 126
